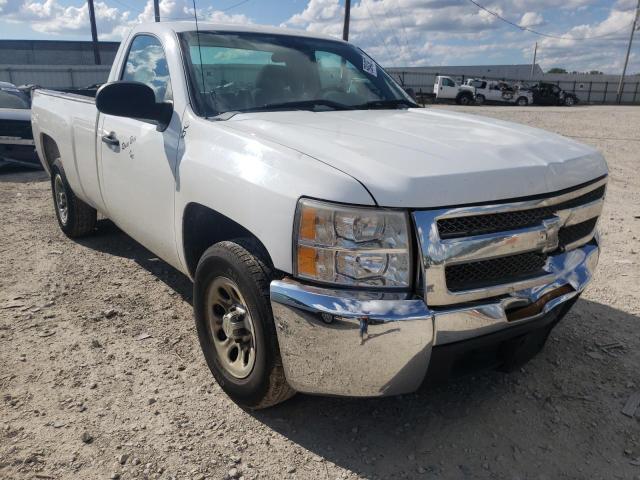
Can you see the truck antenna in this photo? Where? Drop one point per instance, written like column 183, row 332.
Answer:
column 195, row 15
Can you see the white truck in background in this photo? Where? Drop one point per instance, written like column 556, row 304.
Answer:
column 447, row 89
column 341, row 240
column 495, row 91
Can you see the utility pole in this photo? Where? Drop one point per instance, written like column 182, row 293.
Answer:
column 94, row 33
column 156, row 9
column 626, row 60
column 533, row 64
column 347, row 16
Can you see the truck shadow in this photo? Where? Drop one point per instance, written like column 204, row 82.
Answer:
column 523, row 419
column 113, row 241
column 18, row 174
column 485, row 425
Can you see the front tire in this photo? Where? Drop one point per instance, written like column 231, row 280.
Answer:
column 522, row 102
column 569, row 101
column 235, row 324
column 75, row 218
column 464, row 99
column 480, row 99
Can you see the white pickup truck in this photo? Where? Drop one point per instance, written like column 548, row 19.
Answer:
column 446, row 88
column 500, row 92
column 341, row 240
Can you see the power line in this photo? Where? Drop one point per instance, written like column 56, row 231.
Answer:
column 375, row 24
column 393, row 33
column 242, row 2
column 138, row 11
column 542, row 34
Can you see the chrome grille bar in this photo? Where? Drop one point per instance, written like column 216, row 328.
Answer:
column 438, row 253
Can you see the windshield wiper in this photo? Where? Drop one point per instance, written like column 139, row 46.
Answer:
column 299, row 105
column 394, row 103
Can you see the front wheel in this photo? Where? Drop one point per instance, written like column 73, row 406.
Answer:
column 480, row 99
column 235, row 324
column 523, row 102
column 569, row 101
column 464, row 99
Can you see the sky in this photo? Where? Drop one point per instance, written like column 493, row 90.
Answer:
column 593, row 33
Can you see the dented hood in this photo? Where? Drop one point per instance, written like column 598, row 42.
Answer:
column 431, row 158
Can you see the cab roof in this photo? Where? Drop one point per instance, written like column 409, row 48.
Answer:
column 190, row 26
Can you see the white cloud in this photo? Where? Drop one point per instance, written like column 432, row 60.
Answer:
column 395, row 32
column 531, row 19
column 52, row 17
column 441, row 32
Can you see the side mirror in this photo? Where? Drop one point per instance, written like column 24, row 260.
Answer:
column 133, row 100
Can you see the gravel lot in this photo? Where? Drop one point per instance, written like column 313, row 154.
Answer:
column 102, row 377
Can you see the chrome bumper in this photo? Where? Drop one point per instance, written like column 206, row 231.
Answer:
column 319, row 329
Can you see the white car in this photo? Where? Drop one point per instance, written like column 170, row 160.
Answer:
column 341, row 240
column 494, row 91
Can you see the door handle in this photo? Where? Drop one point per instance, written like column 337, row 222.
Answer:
column 111, row 139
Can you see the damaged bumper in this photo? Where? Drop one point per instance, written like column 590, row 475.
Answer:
column 366, row 344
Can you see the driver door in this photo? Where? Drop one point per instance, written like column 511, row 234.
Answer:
column 138, row 162
column 448, row 88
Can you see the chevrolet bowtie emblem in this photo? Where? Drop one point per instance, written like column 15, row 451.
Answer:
column 550, row 235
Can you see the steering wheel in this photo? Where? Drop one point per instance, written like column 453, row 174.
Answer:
column 324, row 91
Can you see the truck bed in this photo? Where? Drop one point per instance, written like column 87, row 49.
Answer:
column 70, row 121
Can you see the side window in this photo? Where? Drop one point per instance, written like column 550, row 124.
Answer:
column 447, row 82
column 147, row 63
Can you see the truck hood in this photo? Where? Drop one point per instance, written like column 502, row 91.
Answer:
column 425, row 158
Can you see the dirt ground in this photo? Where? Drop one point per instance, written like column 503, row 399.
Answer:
column 101, row 375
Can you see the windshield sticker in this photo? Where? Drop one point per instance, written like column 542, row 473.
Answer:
column 368, row 66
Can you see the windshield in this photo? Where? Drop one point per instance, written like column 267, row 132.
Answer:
column 256, row 71
column 13, row 98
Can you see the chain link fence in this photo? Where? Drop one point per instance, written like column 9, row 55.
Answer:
column 588, row 91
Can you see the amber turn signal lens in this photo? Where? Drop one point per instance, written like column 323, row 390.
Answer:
column 308, row 223
column 307, row 261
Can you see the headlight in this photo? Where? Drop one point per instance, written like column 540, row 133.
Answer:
column 352, row 246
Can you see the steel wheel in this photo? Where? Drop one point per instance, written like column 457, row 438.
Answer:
column 231, row 327
column 62, row 204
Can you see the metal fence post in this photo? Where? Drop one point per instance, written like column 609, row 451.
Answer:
column 606, row 87
column 10, row 76
column 635, row 92
column 589, row 94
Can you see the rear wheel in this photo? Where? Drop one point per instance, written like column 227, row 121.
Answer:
column 522, row 102
column 235, row 324
column 569, row 101
column 480, row 99
column 75, row 217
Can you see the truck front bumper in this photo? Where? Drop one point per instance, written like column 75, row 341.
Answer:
column 367, row 344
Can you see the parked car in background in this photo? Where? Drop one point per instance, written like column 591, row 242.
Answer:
column 500, row 92
column 16, row 138
column 341, row 240
column 550, row 94
column 446, row 88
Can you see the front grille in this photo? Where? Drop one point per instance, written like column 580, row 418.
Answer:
column 499, row 222
column 16, row 128
column 573, row 233
column 496, row 271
